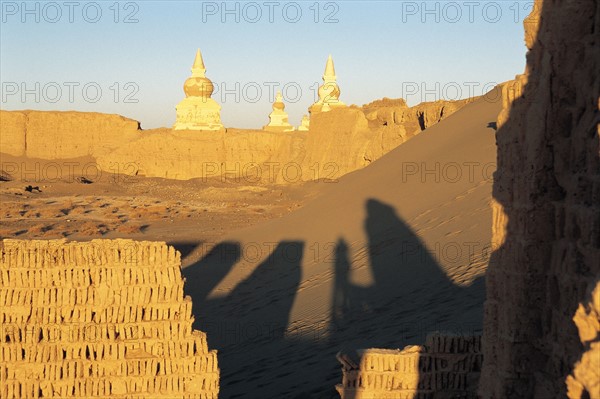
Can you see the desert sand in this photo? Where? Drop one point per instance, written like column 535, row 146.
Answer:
column 67, row 206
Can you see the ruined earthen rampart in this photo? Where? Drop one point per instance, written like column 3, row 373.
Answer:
column 339, row 142
column 62, row 135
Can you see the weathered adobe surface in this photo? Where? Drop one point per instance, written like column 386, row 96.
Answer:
column 248, row 155
column 541, row 329
column 390, row 112
column 60, row 135
column 346, row 139
column 339, row 142
column 104, row 319
column 445, row 367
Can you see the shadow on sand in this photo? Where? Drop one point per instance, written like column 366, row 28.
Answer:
column 410, row 297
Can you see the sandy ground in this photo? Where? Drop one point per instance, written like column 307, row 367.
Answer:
column 282, row 278
column 130, row 206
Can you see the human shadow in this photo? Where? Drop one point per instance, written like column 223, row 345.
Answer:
column 410, row 296
column 340, row 304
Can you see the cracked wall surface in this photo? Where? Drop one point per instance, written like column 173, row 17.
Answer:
column 542, row 281
column 107, row 318
column 445, row 367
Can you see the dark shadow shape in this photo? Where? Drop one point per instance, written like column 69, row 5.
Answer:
column 421, row 119
column 203, row 276
column 341, row 305
column 411, row 296
column 409, row 286
column 248, row 325
column 185, row 248
column 493, row 125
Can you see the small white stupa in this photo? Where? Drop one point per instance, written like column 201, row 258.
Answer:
column 304, row 125
column 278, row 119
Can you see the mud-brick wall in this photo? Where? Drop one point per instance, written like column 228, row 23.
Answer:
column 445, row 367
column 105, row 319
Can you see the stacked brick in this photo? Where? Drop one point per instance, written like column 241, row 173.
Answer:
column 445, row 367
column 105, row 319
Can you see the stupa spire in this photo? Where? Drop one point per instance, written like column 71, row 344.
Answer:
column 329, row 74
column 198, row 69
column 278, row 97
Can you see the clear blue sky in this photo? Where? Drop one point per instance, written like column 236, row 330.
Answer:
column 143, row 50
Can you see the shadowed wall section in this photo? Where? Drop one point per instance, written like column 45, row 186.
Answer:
column 103, row 319
column 547, row 215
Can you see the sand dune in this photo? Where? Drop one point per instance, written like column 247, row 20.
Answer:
column 380, row 258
